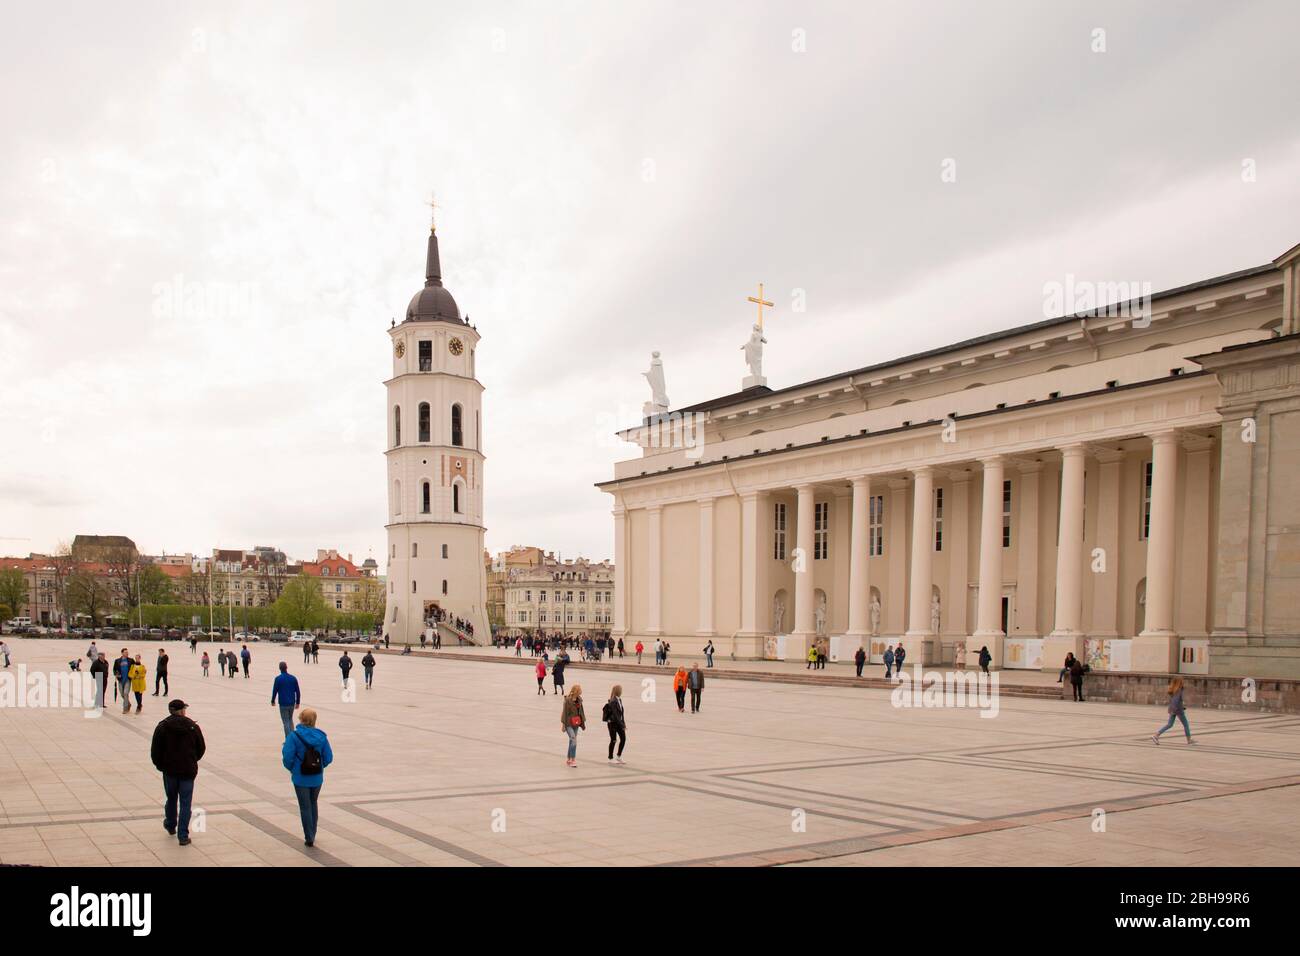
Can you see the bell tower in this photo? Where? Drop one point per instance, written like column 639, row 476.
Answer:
column 435, row 466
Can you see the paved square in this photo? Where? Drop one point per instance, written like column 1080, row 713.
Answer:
column 451, row 762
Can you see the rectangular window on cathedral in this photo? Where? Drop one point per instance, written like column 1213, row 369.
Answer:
column 1006, row 514
column 821, row 530
column 876, row 526
column 938, row 519
column 778, row 538
column 426, row 356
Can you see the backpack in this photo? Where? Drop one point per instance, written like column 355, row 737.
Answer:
column 311, row 764
column 606, row 712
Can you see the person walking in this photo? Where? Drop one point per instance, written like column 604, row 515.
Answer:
column 573, row 719
column 122, row 673
column 695, row 683
column 288, row 694
column 900, row 655
column 176, row 750
column 1077, row 671
column 812, row 656
column 315, row 651
column 221, row 661
column 368, row 667
column 4, row 652
column 206, row 662
column 194, row 644
column 305, row 754
column 985, row 659
column 679, row 688
column 99, row 671
column 557, row 672
column 232, row 664
column 519, row 647
column 138, row 675
column 860, row 660
column 659, row 652
column 345, row 665
column 666, row 648
column 620, row 648
column 616, row 720
column 1177, row 710
column 640, row 649
column 160, row 673
column 93, row 653
column 889, row 660
column 306, row 652
column 246, row 658
column 540, row 671
column 708, row 653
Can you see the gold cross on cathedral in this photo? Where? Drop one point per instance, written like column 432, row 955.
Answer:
column 760, row 302
column 433, row 208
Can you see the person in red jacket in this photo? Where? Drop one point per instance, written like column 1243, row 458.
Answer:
column 639, row 648
column 541, row 676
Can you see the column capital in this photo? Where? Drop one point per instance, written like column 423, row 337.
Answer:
column 752, row 495
column 619, row 511
column 922, row 470
column 1165, row 436
column 654, row 509
column 806, row 488
column 1076, row 449
column 861, row 481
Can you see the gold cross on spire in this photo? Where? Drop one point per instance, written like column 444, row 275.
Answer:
column 433, row 207
column 760, row 302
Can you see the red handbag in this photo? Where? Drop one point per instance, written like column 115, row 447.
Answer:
column 575, row 720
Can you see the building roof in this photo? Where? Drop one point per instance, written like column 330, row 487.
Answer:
column 737, row 398
column 102, row 541
column 433, row 303
column 336, row 568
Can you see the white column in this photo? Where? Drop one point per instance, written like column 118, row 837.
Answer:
column 1105, row 583
column 859, row 580
column 988, row 610
column 1027, row 539
column 749, row 553
column 705, row 628
column 805, row 622
column 896, row 555
column 1069, row 549
column 917, row 640
column 620, row 572
column 1155, row 649
column 654, row 569
column 956, row 540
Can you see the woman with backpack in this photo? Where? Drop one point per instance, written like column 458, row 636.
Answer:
column 573, row 719
column 1177, row 710
column 206, row 662
column 306, row 754
column 616, row 720
column 540, row 670
column 985, row 658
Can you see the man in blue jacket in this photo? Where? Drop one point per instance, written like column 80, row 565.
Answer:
column 286, row 691
column 122, row 671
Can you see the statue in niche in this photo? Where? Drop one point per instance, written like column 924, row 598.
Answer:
column 819, row 615
column 875, row 616
column 778, row 616
column 934, row 614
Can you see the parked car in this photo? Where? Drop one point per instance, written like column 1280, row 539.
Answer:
column 296, row 636
column 278, row 637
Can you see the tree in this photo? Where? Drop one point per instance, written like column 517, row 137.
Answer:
column 274, row 575
column 13, row 590
column 301, row 606
column 155, row 587
column 88, row 595
column 123, row 575
column 62, row 564
column 370, row 600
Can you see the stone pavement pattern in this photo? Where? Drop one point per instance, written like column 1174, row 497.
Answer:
column 440, row 750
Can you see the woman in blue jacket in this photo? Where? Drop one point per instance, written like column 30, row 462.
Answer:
column 305, row 750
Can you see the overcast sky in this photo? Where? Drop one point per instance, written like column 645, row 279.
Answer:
column 612, row 178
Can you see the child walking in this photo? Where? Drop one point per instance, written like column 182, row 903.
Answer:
column 1177, row 711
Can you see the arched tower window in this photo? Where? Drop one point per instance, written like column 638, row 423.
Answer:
column 397, row 425
column 424, row 497
column 457, row 498
column 457, row 430
column 424, row 421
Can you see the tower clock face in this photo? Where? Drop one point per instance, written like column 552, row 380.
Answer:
column 400, row 349
column 456, row 346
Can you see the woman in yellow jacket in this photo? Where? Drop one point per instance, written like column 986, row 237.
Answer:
column 137, row 675
column 679, row 688
column 812, row 655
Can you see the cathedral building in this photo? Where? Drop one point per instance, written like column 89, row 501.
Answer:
column 1114, row 482
column 435, row 466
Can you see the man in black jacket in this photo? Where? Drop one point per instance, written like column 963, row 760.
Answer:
column 176, row 751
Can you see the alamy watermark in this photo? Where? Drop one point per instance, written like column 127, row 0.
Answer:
column 1124, row 299
column 934, row 689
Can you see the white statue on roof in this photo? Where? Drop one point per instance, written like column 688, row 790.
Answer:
column 658, row 390
column 753, row 350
